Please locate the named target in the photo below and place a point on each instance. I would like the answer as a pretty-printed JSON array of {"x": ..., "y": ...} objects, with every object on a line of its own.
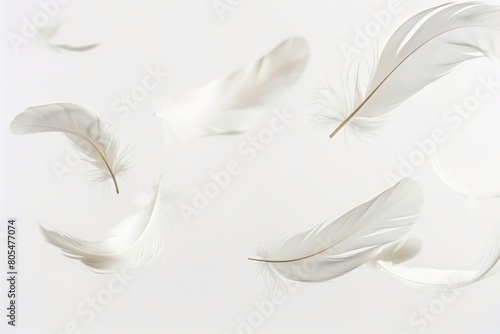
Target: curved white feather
[
  {"x": 462, "y": 166},
  {"x": 444, "y": 280},
  {"x": 134, "y": 243},
  {"x": 423, "y": 49},
  {"x": 235, "y": 103},
  {"x": 93, "y": 139},
  {"x": 336, "y": 247},
  {"x": 49, "y": 31},
  {"x": 471, "y": 178}
]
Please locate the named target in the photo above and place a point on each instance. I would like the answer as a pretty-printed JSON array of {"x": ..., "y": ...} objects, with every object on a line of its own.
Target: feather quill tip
[
  {"x": 274, "y": 283},
  {"x": 333, "y": 114}
]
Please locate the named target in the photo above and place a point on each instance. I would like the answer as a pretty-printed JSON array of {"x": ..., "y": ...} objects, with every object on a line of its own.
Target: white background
[{"x": 206, "y": 284}]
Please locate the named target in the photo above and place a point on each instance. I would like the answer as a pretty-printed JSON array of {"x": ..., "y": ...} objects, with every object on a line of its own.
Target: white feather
[
  {"x": 48, "y": 32},
  {"x": 399, "y": 252},
  {"x": 423, "y": 49},
  {"x": 462, "y": 166},
  {"x": 235, "y": 103},
  {"x": 336, "y": 247},
  {"x": 73, "y": 47},
  {"x": 134, "y": 243},
  {"x": 445, "y": 280},
  {"x": 479, "y": 182},
  {"x": 92, "y": 137}
]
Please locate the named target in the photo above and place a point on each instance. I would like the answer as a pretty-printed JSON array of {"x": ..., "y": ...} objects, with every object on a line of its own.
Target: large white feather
[
  {"x": 134, "y": 243},
  {"x": 93, "y": 139},
  {"x": 423, "y": 49},
  {"x": 444, "y": 280},
  {"x": 336, "y": 247},
  {"x": 235, "y": 103}
]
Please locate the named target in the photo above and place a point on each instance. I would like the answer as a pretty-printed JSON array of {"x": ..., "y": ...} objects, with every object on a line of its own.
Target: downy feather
[
  {"x": 423, "y": 49},
  {"x": 235, "y": 103},
  {"x": 134, "y": 243},
  {"x": 91, "y": 136},
  {"x": 338, "y": 246}
]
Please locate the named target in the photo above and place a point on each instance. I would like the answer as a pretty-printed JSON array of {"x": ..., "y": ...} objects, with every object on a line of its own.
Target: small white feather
[
  {"x": 235, "y": 103},
  {"x": 91, "y": 136},
  {"x": 48, "y": 32},
  {"x": 134, "y": 243},
  {"x": 399, "y": 252},
  {"x": 74, "y": 47},
  {"x": 338, "y": 246}
]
